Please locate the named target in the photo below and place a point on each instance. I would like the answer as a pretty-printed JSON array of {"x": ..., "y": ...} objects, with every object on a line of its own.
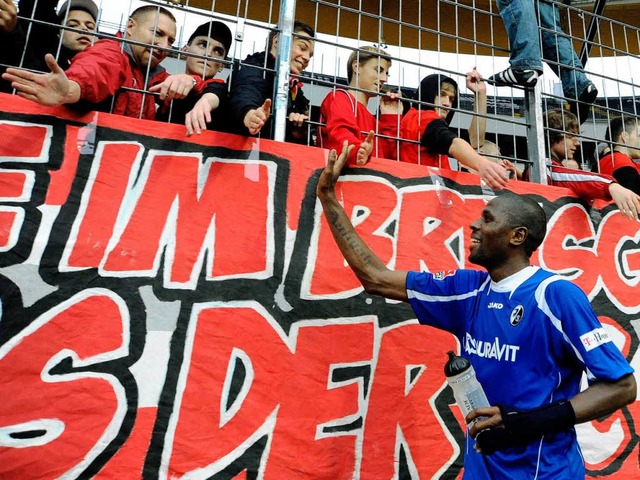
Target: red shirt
[
  {"x": 347, "y": 119},
  {"x": 412, "y": 127},
  {"x": 612, "y": 162}
]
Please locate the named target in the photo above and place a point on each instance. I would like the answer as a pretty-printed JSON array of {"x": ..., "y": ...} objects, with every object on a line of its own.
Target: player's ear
[{"x": 519, "y": 235}]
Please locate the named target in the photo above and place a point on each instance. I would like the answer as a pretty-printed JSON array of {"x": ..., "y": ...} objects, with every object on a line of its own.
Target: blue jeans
[{"x": 557, "y": 49}]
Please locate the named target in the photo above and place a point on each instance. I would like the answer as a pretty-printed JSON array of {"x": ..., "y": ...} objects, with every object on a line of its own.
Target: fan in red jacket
[
  {"x": 562, "y": 127},
  {"x": 621, "y": 163},
  {"x": 113, "y": 75},
  {"x": 346, "y": 117}
]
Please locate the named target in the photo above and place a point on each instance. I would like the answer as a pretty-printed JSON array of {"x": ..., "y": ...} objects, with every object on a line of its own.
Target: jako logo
[{"x": 496, "y": 305}]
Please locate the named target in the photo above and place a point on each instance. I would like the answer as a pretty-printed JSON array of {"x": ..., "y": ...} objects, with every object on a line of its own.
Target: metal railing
[{"x": 437, "y": 36}]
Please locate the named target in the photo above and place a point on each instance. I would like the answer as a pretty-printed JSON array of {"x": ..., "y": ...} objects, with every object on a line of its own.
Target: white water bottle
[{"x": 466, "y": 388}]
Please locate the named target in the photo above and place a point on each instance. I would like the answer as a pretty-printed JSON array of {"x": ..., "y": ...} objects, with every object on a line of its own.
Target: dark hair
[
  {"x": 430, "y": 89},
  {"x": 298, "y": 27},
  {"x": 145, "y": 10},
  {"x": 363, "y": 55},
  {"x": 619, "y": 125},
  {"x": 562, "y": 120},
  {"x": 523, "y": 211}
]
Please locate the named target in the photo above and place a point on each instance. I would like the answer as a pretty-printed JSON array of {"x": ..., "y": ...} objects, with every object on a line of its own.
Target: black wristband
[
  {"x": 522, "y": 427},
  {"x": 526, "y": 426}
]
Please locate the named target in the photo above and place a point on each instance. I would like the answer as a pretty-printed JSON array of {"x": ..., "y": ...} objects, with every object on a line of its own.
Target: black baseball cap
[{"x": 216, "y": 30}]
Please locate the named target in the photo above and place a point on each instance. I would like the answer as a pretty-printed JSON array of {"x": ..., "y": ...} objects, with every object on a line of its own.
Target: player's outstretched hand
[{"x": 331, "y": 173}]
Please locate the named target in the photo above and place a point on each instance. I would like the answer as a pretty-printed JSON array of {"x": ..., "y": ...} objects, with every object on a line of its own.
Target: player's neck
[{"x": 508, "y": 268}]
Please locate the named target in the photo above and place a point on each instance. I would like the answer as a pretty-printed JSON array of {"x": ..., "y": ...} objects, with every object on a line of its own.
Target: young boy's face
[
  {"x": 301, "y": 53},
  {"x": 373, "y": 74},
  {"x": 565, "y": 148},
  {"x": 445, "y": 99},
  {"x": 212, "y": 49},
  {"x": 74, "y": 41}
]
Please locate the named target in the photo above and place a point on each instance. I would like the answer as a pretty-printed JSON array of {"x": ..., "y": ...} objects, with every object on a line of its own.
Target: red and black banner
[{"x": 176, "y": 307}]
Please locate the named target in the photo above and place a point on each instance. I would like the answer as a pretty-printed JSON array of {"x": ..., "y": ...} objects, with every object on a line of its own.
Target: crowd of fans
[{"x": 122, "y": 74}]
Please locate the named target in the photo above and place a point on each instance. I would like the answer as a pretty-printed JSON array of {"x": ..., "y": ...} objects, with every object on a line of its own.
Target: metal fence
[{"x": 421, "y": 37}]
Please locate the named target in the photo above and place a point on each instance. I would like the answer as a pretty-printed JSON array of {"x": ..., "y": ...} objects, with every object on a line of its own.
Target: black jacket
[
  {"x": 35, "y": 39},
  {"x": 251, "y": 85}
]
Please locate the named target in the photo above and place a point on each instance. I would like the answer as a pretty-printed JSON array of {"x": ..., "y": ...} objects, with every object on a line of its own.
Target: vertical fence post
[
  {"x": 281, "y": 95},
  {"x": 535, "y": 134}
]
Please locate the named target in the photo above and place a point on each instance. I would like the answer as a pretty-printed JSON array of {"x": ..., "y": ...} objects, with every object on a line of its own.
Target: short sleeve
[
  {"x": 572, "y": 315},
  {"x": 445, "y": 300}
]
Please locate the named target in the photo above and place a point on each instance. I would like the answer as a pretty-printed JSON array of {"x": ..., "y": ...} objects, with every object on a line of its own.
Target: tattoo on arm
[{"x": 351, "y": 239}]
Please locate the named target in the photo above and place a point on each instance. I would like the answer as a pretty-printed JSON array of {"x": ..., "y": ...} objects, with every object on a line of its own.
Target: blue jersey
[{"x": 529, "y": 338}]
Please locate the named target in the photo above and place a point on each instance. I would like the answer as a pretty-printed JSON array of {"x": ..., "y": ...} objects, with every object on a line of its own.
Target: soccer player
[{"x": 548, "y": 333}]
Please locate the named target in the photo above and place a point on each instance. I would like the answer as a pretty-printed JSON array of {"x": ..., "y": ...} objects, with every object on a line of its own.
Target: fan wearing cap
[
  {"x": 207, "y": 46},
  {"x": 79, "y": 15},
  {"x": 41, "y": 37}
]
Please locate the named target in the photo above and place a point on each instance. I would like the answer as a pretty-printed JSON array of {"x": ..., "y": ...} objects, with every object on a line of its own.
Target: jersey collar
[{"x": 511, "y": 283}]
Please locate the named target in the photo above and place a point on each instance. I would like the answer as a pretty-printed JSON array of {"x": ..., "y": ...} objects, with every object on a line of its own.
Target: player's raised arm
[{"x": 372, "y": 273}]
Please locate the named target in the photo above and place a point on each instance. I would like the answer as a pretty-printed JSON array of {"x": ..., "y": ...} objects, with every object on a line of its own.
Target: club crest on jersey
[
  {"x": 443, "y": 275},
  {"x": 516, "y": 315}
]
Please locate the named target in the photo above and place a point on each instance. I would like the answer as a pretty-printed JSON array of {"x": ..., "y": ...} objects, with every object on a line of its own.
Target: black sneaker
[
  {"x": 514, "y": 76},
  {"x": 581, "y": 108}
]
